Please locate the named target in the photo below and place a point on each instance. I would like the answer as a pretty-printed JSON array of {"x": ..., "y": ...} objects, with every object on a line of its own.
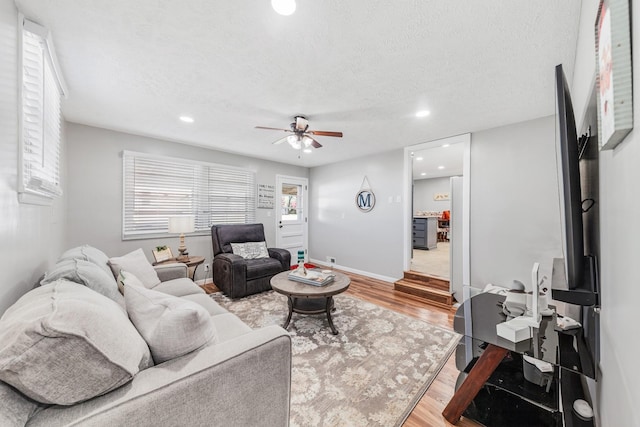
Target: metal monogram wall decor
[{"x": 365, "y": 199}]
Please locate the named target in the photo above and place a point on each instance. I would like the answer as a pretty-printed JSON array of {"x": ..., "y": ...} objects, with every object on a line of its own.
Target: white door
[{"x": 291, "y": 215}]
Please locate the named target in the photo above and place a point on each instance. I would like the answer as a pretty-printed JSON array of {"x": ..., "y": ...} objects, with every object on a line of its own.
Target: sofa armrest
[
  {"x": 282, "y": 255},
  {"x": 171, "y": 271},
  {"x": 245, "y": 381}
]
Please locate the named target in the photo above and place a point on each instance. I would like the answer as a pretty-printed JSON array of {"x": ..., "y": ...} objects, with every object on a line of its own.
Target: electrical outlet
[
  {"x": 206, "y": 267},
  {"x": 331, "y": 259}
]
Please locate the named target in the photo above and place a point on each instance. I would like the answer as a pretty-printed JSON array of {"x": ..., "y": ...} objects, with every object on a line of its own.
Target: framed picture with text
[
  {"x": 613, "y": 72},
  {"x": 162, "y": 253}
]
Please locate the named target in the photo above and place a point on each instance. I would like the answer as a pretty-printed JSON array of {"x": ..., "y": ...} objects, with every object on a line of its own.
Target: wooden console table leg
[{"x": 479, "y": 374}]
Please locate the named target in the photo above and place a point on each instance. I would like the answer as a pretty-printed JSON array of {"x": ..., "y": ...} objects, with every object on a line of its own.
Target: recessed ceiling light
[
  {"x": 423, "y": 113},
  {"x": 308, "y": 150},
  {"x": 186, "y": 119},
  {"x": 419, "y": 158},
  {"x": 440, "y": 167},
  {"x": 445, "y": 145},
  {"x": 423, "y": 173},
  {"x": 284, "y": 7}
]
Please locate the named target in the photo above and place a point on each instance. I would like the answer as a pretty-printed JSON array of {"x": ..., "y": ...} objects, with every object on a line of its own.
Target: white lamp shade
[{"x": 182, "y": 224}]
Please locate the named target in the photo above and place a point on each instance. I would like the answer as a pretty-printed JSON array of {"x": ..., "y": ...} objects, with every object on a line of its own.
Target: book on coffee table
[{"x": 313, "y": 277}]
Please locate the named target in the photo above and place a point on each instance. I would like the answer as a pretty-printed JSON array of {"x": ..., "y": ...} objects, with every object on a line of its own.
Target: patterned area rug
[{"x": 372, "y": 374}]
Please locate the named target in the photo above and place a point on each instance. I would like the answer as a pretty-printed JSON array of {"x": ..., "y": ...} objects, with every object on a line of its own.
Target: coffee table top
[{"x": 281, "y": 284}]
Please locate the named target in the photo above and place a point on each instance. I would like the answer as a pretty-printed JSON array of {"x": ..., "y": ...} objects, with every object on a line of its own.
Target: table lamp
[{"x": 182, "y": 224}]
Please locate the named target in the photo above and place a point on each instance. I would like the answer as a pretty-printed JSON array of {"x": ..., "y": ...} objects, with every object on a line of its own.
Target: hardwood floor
[{"x": 428, "y": 412}]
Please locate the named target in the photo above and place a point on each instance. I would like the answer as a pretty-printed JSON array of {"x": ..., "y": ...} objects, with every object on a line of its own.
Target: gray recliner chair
[{"x": 236, "y": 276}]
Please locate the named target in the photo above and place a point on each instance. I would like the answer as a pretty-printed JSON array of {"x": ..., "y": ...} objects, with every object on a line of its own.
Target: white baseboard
[{"x": 353, "y": 270}]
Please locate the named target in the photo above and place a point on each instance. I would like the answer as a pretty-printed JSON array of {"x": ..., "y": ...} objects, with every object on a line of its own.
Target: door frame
[
  {"x": 304, "y": 181},
  {"x": 408, "y": 203}
]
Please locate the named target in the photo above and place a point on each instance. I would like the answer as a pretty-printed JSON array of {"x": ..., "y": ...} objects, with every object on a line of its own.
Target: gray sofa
[{"x": 241, "y": 379}]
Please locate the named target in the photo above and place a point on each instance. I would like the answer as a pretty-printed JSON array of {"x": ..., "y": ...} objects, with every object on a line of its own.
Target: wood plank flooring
[{"x": 428, "y": 412}]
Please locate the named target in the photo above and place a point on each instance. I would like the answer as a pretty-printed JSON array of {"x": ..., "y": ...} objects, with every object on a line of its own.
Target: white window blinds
[
  {"x": 41, "y": 90},
  {"x": 156, "y": 188}
]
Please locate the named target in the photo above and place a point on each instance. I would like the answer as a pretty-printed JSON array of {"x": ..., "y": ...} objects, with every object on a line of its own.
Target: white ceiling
[
  {"x": 436, "y": 162},
  {"x": 363, "y": 67}
]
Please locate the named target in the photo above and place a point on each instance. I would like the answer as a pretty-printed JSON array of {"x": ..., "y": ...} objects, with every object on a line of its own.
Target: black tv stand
[
  {"x": 492, "y": 388},
  {"x": 586, "y": 294}
]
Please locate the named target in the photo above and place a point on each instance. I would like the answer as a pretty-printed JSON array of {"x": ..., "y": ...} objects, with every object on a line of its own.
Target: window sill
[{"x": 35, "y": 199}]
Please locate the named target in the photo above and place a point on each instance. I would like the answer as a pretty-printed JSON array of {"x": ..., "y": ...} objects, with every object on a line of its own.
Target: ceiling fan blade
[
  {"x": 315, "y": 143},
  {"x": 325, "y": 133},
  {"x": 264, "y": 127},
  {"x": 281, "y": 140}
]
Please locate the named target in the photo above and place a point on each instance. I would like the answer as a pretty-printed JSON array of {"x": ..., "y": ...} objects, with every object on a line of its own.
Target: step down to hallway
[{"x": 433, "y": 290}]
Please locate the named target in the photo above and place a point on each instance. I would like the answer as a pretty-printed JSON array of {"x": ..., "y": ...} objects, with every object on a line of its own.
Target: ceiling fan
[{"x": 302, "y": 137}]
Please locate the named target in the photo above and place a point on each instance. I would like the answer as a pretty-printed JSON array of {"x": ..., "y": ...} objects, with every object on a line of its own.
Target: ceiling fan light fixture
[
  {"x": 284, "y": 7},
  {"x": 307, "y": 141},
  {"x": 308, "y": 150},
  {"x": 294, "y": 141}
]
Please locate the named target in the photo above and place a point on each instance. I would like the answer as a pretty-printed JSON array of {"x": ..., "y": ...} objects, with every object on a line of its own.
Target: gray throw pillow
[
  {"x": 15, "y": 407},
  {"x": 250, "y": 250},
  {"x": 171, "y": 326},
  {"x": 137, "y": 264},
  {"x": 85, "y": 273},
  {"x": 88, "y": 253},
  {"x": 63, "y": 343}
]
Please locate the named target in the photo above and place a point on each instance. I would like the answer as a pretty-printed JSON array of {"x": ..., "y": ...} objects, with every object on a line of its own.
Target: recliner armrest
[
  {"x": 229, "y": 274},
  {"x": 232, "y": 258},
  {"x": 171, "y": 271},
  {"x": 282, "y": 255}
]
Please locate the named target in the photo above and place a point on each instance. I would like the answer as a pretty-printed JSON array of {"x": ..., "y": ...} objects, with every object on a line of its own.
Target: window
[
  {"x": 41, "y": 89},
  {"x": 157, "y": 187}
]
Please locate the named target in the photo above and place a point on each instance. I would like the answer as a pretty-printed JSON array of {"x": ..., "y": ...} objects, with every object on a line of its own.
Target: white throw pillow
[
  {"x": 137, "y": 264},
  {"x": 171, "y": 326},
  {"x": 63, "y": 343},
  {"x": 127, "y": 279},
  {"x": 250, "y": 250}
]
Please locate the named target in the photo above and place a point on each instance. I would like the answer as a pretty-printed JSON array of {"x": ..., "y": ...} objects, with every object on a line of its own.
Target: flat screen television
[{"x": 580, "y": 268}]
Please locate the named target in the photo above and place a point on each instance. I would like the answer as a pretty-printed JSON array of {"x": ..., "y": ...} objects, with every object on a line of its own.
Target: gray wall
[
  {"x": 369, "y": 242},
  {"x": 32, "y": 236},
  {"x": 95, "y": 188},
  {"x": 423, "y": 191},
  {"x": 618, "y": 392},
  {"x": 514, "y": 202}
]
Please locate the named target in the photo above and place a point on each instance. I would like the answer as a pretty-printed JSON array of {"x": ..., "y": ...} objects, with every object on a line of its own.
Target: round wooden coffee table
[{"x": 310, "y": 299}]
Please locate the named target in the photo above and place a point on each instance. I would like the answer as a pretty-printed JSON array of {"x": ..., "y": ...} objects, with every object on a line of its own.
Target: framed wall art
[
  {"x": 162, "y": 253},
  {"x": 613, "y": 72}
]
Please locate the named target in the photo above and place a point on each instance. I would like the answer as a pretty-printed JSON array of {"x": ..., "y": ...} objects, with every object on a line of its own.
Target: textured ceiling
[
  {"x": 437, "y": 162},
  {"x": 363, "y": 67}
]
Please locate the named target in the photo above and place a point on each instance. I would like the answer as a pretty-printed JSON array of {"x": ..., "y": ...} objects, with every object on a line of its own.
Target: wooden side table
[{"x": 192, "y": 264}]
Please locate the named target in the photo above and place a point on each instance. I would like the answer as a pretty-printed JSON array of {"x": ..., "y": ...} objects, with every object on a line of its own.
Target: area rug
[{"x": 372, "y": 373}]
